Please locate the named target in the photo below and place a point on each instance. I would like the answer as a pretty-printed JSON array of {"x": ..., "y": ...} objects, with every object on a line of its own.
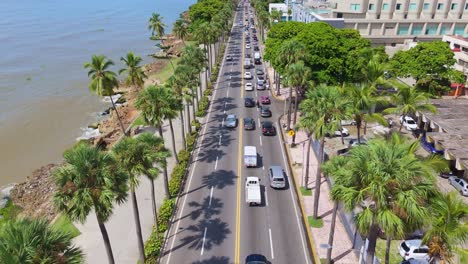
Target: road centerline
[
  {"x": 216, "y": 163},
  {"x": 271, "y": 244},
  {"x": 211, "y": 196},
  {"x": 203, "y": 243}
]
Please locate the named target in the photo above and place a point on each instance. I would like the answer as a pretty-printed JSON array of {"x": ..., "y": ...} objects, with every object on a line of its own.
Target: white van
[{"x": 250, "y": 156}]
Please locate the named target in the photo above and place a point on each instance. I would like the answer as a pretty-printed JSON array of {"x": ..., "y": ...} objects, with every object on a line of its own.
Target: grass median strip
[
  {"x": 315, "y": 223},
  {"x": 306, "y": 192}
]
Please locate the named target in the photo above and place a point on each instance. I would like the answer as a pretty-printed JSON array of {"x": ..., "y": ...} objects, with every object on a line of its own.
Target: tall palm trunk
[
  {"x": 206, "y": 78},
  {"x": 401, "y": 123},
  {"x": 174, "y": 150},
  {"x": 295, "y": 107},
  {"x": 208, "y": 54},
  {"x": 332, "y": 233},
  {"x": 182, "y": 126},
  {"x": 187, "y": 107},
  {"x": 200, "y": 88},
  {"x": 318, "y": 178},
  {"x": 387, "y": 250},
  {"x": 372, "y": 238},
  {"x": 105, "y": 237},
  {"x": 118, "y": 116},
  {"x": 289, "y": 108},
  {"x": 196, "y": 99},
  {"x": 136, "y": 215},
  {"x": 193, "y": 108},
  {"x": 166, "y": 176},
  {"x": 358, "y": 126},
  {"x": 307, "y": 162},
  {"x": 153, "y": 204}
]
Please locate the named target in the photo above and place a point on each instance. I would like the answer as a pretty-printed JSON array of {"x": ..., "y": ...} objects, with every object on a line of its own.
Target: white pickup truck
[
  {"x": 250, "y": 156},
  {"x": 252, "y": 191}
]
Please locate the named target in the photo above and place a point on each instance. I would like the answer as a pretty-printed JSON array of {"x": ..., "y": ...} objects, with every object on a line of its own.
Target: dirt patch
[{"x": 34, "y": 196}]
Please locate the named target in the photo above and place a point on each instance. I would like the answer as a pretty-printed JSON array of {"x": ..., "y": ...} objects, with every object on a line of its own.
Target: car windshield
[
  {"x": 230, "y": 118},
  {"x": 267, "y": 125},
  {"x": 278, "y": 179},
  {"x": 410, "y": 121}
]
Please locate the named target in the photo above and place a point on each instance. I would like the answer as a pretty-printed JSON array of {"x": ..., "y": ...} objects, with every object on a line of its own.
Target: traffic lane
[
  {"x": 254, "y": 219},
  {"x": 289, "y": 235}
]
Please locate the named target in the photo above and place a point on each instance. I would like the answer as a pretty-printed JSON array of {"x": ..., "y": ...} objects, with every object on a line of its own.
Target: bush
[
  {"x": 165, "y": 213},
  {"x": 153, "y": 246},
  {"x": 190, "y": 139},
  {"x": 196, "y": 124},
  {"x": 177, "y": 176},
  {"x": 207, "y": 92},
  {"x": 183, "y": 155}
]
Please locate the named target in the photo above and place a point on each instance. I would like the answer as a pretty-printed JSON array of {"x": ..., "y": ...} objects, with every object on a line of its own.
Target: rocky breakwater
[{"x": 34, "y": 196}]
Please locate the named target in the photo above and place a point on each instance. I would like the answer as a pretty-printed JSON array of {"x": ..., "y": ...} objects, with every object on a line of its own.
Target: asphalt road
[{"x": 213, "y": 224}]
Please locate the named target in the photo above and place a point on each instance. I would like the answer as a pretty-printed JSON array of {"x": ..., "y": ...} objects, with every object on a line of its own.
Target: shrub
[
  {"x": 207, "y": 92},
  {"x": 190, "y": 139},
  {"x": 196, "y": 124},
  {"x": 177, "y": 176},
  {"x": 183, "y": 155},
  {"x": 153, "y": 246},
  {"x": 165, "y": 213}
]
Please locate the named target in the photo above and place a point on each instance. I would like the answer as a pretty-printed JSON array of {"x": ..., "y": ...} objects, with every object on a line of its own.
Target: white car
[
  {"x": 344, "y": 132},
  {"x": 247, "y": 46},
  {"x": 460, "y": 184},
  {"x": 413, "y": 249},
  {"x": 409, "y": 123},
  {"x": 249, "y": 87},
  {"x": 247, "y": 75}
]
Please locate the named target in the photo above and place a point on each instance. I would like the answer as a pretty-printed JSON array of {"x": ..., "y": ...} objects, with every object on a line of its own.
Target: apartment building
[
  {"x": 459, "y": 46},
  {"x": 391, "y": 21}
]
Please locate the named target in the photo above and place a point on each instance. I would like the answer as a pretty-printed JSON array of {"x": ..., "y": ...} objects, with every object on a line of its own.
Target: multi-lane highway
[{"x": 213, "y": 224}]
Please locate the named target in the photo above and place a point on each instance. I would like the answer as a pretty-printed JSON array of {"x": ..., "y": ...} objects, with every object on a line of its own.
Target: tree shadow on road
[
  {"x": 206, "y": 208},
  {"x": 214, "y": 260}
]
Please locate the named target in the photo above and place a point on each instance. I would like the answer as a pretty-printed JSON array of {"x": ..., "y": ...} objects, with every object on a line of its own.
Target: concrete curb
[{"x": 310, "y": 239}]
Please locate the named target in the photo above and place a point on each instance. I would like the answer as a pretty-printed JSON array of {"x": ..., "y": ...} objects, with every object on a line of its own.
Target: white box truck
[
  {"x": 250, "y": 156},
  {"x": 247, "y": 63},
  {"x": 253, "y": 194}
]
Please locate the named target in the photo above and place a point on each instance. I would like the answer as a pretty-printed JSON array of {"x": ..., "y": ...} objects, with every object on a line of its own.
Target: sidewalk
[
  {"x": 342, "y": 246},
  {"x": 121, "y": 226}
]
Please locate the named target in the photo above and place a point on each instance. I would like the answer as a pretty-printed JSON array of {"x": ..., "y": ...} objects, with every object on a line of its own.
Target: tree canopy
[
  {"x": 331, "y": 53},
  {"x": 205, "y": 9}
]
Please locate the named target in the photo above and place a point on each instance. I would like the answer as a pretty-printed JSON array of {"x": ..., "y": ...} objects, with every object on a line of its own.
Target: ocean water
[{"x": 44, "y": 95}]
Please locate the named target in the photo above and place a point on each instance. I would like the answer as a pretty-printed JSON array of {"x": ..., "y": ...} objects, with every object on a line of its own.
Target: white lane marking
[
  {"x": 263, "y": 167},
  {"x": 227, "y": 94},
  {"x": 211, "y": 196},
  {"x": 259, "y": 124},
  {"x": 216, "y": 163},
  {"x": 196, "y": 158},
  {"x": 266, "y": 198},
  {"x": 222, "y": 122},
  {"x": 219, "y": 143},
  {"x": 225, "y": 103},
  {"x": 203, "y": 244},
  {"x": 285, "y": 163},
  {"x": 256, "y": 94},
  {"x": 260, "y": 140},
  {"x": 271, "y": 244}
]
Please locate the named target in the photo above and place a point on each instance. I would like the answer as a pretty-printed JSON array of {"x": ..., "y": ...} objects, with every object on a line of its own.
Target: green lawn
[
  {"x": 66, "y": 225},
  {"x": 167, "y": 71},
  {"x": 395, "y": 257},
  {"x": 139, "y": 121},
  {"x": 315, "y": 223},
  {"x": 8, "y": 212},
  {"x": 306, "y": 192}
]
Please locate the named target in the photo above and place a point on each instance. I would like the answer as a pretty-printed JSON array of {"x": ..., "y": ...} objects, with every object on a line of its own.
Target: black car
[
  {"x": 265, "y": 111},
  {"x": 254, "y": 30},
  {"x": 268, "y": 129},
  {"x": 249, "y": 102},
  {"x": 249, "y": 123},
  {"x": 259, "y": 72},
  {"x": 228, "y": 58},
  {"x": 256, "y": 48}
]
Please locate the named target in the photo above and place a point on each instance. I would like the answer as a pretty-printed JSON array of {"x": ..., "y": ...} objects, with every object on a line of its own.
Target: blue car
[{"x": 430, "y": 146}]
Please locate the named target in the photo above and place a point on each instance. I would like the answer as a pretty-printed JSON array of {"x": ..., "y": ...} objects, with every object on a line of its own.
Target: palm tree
[
  {"x": 363, "y": 98},
  {"x": 184, "y": 79},
  {"x": 136, "y": 156},
  {"x": 180, "y": 29},
  {"x": 297, "y": 75},
  {"x": 135, "y": 74},
  {"x": 103, "y": 81},
  {"x": 194, "y": 56},
  {"x": 155, "y": 107},
  {"x": 276, "y": 15},
  {"x": 90, "y": 180},
  {"x": 408, "y": 100},
  {"x": 390, "y": 184},
  {"x": 263, "y": 19},
  {"x": 32, "y": 241},
  {"x": 202, "y": 35},
  {"x": 156, "y": 25},
  {"x": 321, "y": 113},
  {"x": 179, "y": 90},
  {"x": 175, "y": 104},
  {"x": 447, "y": 231}
]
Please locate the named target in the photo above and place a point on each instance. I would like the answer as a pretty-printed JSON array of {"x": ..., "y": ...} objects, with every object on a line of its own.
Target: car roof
[
  {"x": 414, "y": 243},
  {"x": 265, "y": 107},
  {"x": 248, "y": 119},
  {"x": 267, "y": 123},
  {"x": 248, "y": 98},
  {"x": 231, "y": 115},
  {"x": 264, "y": 96}
]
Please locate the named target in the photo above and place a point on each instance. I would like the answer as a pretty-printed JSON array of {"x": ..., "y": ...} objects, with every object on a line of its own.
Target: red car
[{"x": 264, "y": 99}]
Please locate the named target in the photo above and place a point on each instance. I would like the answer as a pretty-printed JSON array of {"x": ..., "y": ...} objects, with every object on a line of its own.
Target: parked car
[
  {"x": 249, "y": 123},
  {"x": 355, "y": 143},
  {"x": 446, "y": 174},
  {"x": 247, "y": 46},
  {"x": 231, "y": 121},
  {"x": 265, "y": 99},
  {"x": 337, "y": 133},
  {"x": 413, "y": 249},
  {"x": 228, "y": 58},
  {"x": 249, "y": 102},
  {"x": 247, "y": 75},
  {"x": 249, "y": 87},
  {"x": 256, "y": 48},
  {"x": 265, "y": 111},
  {"x": 408, "y": 123},
  {"x": 268, "y": 129},
  {"x": 259, "y": 72},
  {"x": 459, "y": 184},
  {"x": 429, "y": 146}
]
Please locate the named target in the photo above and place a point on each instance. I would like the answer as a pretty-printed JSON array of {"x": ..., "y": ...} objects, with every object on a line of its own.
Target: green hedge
[
  {"x": 155, "y": 241},
  {"x": 207, "y": 92},
  {"x": 203, "y": 106}
]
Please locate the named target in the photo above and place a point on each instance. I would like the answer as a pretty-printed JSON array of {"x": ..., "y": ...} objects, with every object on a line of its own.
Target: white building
[
  {"x": 392, "y": 21},
  {"x": 280, "y": 7},
  {"x": 459, "y": 46}
]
